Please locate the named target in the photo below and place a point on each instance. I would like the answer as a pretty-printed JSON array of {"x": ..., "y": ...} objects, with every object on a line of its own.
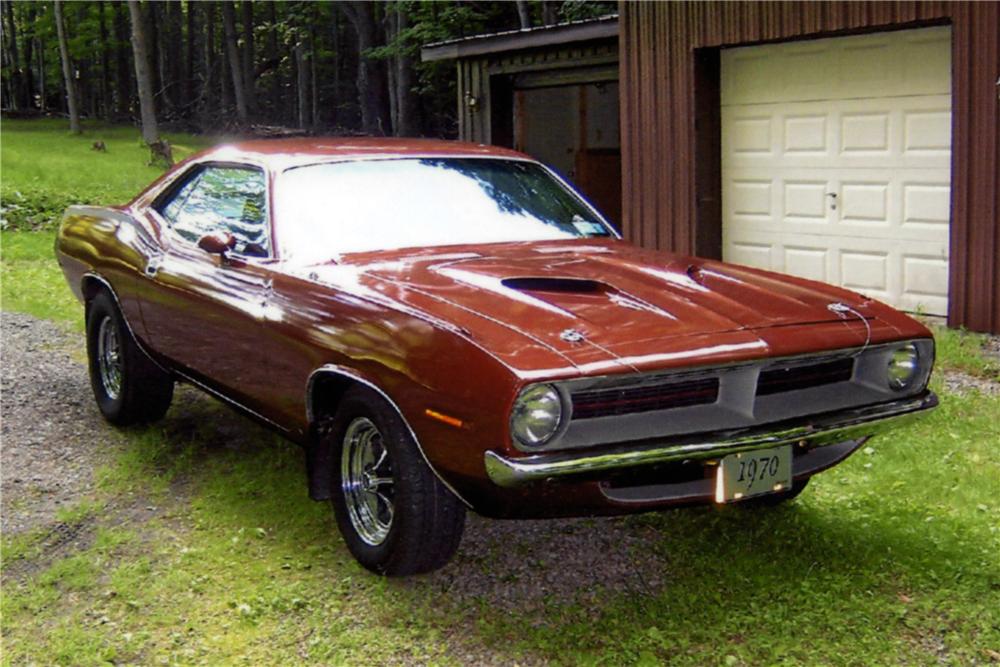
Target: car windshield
[{"x": 327, "y": 210}]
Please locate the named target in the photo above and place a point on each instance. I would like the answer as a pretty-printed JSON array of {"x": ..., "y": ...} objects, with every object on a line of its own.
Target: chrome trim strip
[
  {"x": 827, "y": 429},
  {"x": 225, "y": 399},
  {"x": 348, "y": 373}
]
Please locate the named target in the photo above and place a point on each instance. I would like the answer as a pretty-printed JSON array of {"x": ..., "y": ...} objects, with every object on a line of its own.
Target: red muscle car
[{"x": 447, "y": 326}]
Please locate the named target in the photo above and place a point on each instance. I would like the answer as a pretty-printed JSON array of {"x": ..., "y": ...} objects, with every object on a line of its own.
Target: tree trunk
[
  {"x": 40, "y": 49},
  {"x": 391, "y": 70},
  {"x": 159, "y": 32},
  {"x": 191, "y": 44},
  {"x": 150, "y": 132},
  {"x": 372, "y": 88},
  {"x": 29, "y": 75},
  {"x": 302, "y": 83},
  {"x": 175, "y": 60},
  {"x": 249, "y": 78},
  {"x": 550, "y": 14},
  {"x": 150, "y": 12},
  {"x": 67, "y": 68},
  {"x": 313, "y": 87},
  {"x": 123, "y": 77},
  {"x": 523, "y": 14},
  {"x": 232, "y": 51},
  {"x": 337, "y": 65},
  {"x": 407, "y": 106},
  {"x": 6, "y": 89},
  {"x": 105, "y": 68},
  {"x": 208, "y": 61},
  {"x": 17, "y": 83}
]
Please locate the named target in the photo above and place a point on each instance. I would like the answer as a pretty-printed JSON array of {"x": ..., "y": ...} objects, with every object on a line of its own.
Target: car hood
[{"x": 591, "y": 301}]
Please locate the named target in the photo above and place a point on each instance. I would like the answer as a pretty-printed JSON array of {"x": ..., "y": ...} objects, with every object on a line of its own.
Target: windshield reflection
[{"x": 327, "y": 210}]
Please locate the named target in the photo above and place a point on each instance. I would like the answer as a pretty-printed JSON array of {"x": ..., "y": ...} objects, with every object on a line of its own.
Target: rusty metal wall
[{"x": 661, "y": 44}]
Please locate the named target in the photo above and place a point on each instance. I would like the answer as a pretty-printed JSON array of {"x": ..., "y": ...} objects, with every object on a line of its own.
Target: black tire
[
  {"x": 775, "y": 499},
  {"x": 418, "y": 522},
  {"x": 143, "y": 391}
]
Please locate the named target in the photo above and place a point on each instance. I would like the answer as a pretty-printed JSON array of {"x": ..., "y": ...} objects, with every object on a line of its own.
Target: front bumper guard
[{"x": 814, "y": 431}]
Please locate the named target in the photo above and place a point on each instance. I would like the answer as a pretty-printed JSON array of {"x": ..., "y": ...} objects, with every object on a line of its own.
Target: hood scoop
[
  {"x": 555, "y": 284},
  {"x": 590, "y": 300}
]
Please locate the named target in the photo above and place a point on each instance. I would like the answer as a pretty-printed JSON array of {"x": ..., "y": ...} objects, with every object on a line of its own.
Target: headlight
[
  {"x": 904, "y": 367},
  {"x": 537, "y": 415}
]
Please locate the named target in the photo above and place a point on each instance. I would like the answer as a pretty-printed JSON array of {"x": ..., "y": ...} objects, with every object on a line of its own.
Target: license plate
[{"x": 755, "y": 473}]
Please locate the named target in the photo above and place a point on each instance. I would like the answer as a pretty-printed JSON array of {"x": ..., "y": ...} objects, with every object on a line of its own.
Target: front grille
[
  {"x": 777, "y": 380},
  {"x": 630, "y": 400}
]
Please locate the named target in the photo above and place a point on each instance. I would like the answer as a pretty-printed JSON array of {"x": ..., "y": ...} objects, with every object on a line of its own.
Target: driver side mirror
[{"x": 217, "y": 243}]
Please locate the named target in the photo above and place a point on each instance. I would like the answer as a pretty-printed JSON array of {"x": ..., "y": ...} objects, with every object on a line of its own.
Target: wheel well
[
  {"x": 325, "y": 393},
  {"x": 91, "y": 287},
  {"x": 326, "y": 390}
]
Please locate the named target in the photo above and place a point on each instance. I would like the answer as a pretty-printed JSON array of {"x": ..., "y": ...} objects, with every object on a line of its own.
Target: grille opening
[
  {"x": 631, "y": 400},
  {"x": 778, "y": 380}
]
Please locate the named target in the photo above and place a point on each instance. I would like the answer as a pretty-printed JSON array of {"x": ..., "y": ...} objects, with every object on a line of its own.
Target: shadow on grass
[{"x": 851, "y": 567}]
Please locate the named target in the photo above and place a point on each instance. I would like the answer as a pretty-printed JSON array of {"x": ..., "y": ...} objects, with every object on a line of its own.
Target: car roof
[{"x": 285, "y": 153}]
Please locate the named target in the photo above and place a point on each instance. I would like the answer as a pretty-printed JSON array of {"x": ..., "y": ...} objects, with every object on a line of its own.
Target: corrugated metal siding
[{"x": 658, "y": 42}]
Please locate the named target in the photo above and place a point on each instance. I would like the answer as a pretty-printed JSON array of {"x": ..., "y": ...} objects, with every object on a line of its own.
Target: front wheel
[
  {"x": 396, "y": 517},
  {"x": 128, "y": 386}
]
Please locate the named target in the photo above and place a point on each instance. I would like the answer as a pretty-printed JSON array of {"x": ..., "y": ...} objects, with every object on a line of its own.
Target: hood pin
[{"x": 572, "y": 336}]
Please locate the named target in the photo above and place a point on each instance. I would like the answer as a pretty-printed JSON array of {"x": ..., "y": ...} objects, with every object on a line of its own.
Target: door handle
[{"x": 833, "y": 200}]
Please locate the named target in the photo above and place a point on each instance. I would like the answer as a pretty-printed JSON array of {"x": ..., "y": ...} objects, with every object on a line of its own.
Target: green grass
[
  {"x": 962, "y": 350},
  {"x": 30, "y": 279},
  {"x": 891, "y": 558},
  {"x": 45, "y": 169}
]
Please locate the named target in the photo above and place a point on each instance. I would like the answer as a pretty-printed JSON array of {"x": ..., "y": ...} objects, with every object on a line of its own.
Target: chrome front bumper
[{"x": 815, "y": 431}]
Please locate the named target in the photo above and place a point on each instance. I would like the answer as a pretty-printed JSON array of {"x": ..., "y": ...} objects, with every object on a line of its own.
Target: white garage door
[{"x": 836, "y": 162}]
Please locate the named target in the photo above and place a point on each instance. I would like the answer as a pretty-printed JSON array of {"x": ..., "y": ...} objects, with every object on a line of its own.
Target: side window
[{"x": 230, "y": 199}]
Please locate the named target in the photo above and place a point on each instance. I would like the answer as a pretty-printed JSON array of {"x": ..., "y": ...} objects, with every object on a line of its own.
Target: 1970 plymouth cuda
[{"x": 447, "y": 326}]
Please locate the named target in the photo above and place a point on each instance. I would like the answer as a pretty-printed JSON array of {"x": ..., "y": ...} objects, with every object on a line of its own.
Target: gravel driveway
[{"x": 53, "y": 438}]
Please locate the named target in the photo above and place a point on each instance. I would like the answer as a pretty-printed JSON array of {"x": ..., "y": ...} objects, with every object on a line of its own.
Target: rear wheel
[
  {"x": 396, "y": 517},
  {"x": 128, "y": 386}
]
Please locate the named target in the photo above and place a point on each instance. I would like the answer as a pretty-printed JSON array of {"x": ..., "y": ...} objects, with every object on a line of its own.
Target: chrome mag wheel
[
  {"x": 366, "y": 481},
  {"x": 109, "y": 358}
]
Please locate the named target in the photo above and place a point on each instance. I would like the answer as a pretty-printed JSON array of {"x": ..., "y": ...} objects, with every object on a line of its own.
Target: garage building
[{"x": 855, "y": 143}]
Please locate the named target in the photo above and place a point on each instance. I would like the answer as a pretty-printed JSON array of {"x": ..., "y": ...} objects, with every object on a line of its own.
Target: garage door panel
[
  {"x": 865, "y": 132},
  {"x": 805, "y": 134},
  {"x": 926, "y": 206},
  {"x": 865, "y": 203},
  {"x": 868, "y": 67},
  {"x": 811, "y": 263},
  {"x": 906, "y": 132},
  {"x": 752, "y": 136},
  {"x": 751, "y": 254},
  {"x": 804, "y": 201},
  {"x": 927, "y": 132},
  {"x": 910, "y": 275},
  {"x": 751, "y": 198},
  {"x": 836, "y": 162}
]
